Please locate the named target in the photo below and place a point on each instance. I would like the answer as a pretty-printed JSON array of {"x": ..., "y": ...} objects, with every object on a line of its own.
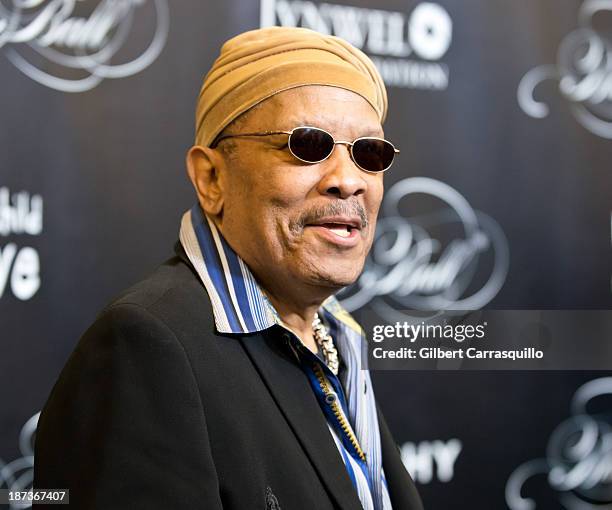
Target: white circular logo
[{"x": 430, "y": 31}]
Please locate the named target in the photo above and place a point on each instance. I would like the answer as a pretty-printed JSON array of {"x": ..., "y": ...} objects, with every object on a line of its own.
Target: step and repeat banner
[{"x": 501, "y": 199}]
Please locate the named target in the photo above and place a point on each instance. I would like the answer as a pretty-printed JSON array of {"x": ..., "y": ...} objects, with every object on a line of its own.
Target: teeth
[{"x": 342, "y": 232}]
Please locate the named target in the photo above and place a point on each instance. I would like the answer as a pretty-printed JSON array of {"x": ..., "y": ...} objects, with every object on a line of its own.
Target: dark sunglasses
[{"x": 313, "y": 145}]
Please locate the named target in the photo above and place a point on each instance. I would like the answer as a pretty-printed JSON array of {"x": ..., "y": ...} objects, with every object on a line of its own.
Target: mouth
[
  {"x": 340, "y": 231},
  {"x": 338, "y": 228}
]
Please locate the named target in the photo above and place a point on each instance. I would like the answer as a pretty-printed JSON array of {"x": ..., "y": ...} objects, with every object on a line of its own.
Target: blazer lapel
[{"x": 292, "y": 392}]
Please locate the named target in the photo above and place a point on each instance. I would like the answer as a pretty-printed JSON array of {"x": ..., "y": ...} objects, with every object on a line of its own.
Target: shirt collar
[{"x": 239, "y": 305}]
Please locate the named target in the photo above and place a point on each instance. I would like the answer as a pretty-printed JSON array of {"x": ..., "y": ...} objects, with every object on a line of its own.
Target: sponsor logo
[
  {"x": 71, "y": 45},
  {"x": 578, "y": 463},
  {"x": 583, "y": 71},
  {"x": 20, "y": 267},
  {"x": 405, "y": 47},
  {"x": 429, "y": 461},
  {"x": 434, "y": 258},
  {"x": 18, "y": 475}
]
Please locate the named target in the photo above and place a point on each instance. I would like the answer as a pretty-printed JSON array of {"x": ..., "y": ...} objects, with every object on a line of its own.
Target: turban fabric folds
[{"x": 255, "y": 65}]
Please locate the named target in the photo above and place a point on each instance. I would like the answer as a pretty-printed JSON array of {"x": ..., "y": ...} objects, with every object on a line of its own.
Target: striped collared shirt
[{"x": 240, "y": 306}]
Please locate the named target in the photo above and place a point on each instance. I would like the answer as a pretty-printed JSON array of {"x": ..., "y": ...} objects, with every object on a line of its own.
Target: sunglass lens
[
  {"x": 310, "y": 144},
  {"x": 373, "y": 154}
]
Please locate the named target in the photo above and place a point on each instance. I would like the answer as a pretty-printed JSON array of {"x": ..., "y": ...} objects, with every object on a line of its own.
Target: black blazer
[{"x": 156, "y": 410}]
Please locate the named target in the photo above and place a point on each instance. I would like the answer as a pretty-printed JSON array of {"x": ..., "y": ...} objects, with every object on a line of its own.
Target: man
[{"x": 231, "y": 378}]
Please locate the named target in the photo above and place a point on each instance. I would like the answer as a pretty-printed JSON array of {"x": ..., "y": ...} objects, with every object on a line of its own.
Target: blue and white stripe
[{"x": 239, "y": 306}]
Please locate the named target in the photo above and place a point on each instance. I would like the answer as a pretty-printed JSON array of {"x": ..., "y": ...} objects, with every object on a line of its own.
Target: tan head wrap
[{"x": 258, "y": 64}]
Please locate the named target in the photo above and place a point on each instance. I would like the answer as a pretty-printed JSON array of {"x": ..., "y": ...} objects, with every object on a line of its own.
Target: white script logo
[
  {"x": 584, "y": 72},
  {"x": 578, "y": 461},
  {"x": 389, "y": 37},
  {"x": 34, "y": 33},
  {"x": 18, "y": 475},
  {"x": 401, "y": 265}
]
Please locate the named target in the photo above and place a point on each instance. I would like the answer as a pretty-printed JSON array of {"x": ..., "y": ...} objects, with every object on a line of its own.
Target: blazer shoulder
[
  {"x": 173, "y": 274},
  {"x": 172, "y": 295}
]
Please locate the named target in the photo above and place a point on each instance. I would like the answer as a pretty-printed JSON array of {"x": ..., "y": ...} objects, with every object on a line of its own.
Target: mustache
[{"x": 337, "y": 208}]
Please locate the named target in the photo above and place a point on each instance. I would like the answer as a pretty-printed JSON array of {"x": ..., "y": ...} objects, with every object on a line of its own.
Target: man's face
[{"x": 287, "y": 219}]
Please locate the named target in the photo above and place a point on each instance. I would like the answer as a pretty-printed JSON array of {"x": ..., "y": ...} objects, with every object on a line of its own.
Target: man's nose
[{"x": 342, "y": 178}]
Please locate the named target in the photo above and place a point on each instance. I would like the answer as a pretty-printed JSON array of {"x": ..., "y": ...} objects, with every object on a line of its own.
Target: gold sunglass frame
[{"x": 336, "y": 142}]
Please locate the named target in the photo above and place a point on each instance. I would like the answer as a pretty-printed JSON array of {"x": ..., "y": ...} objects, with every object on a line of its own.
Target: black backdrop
[{"x": 505, "y": 110}]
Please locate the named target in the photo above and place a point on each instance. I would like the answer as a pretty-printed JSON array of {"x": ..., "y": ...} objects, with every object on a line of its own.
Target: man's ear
[{"x": 204, "y": 167}]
